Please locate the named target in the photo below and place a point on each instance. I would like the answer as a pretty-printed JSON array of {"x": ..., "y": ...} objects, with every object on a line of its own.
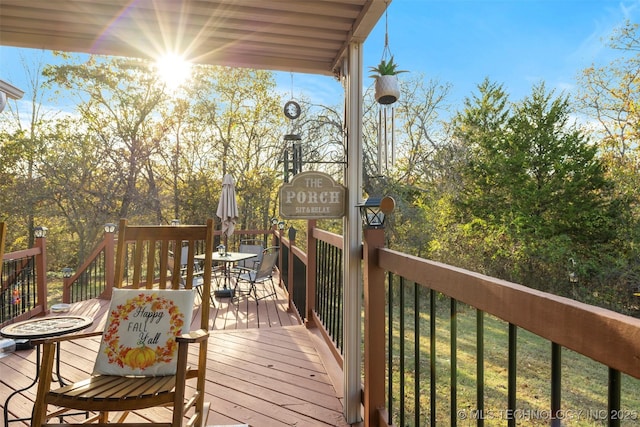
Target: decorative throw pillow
[{"x": 139, "y": 337}]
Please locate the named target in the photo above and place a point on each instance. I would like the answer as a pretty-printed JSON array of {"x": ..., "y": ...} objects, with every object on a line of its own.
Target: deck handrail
[
  {"x": 92, "y": 277},
  {"x": 588, "y": 330},
  {"x": 22, "y": 281},
  {"x": 313, "y": 297},
  {"x": 609, "y": 338},
  {"x": 555, "y": 318},
  {"x": 96, "y": 272}
]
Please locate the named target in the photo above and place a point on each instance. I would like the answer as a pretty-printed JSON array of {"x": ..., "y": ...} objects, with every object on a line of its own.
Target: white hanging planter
[{"x": 387, "y": 89}]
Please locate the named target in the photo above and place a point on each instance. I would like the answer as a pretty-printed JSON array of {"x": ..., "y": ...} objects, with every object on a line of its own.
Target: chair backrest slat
[
  {"x": 164, "y": 263},
  {"x": 3, "y": 232},
  {"x": 154, "y": 254}
]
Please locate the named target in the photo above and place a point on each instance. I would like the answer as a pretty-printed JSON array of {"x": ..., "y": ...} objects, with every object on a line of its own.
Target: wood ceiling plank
[{"x": 312, "y": 33}]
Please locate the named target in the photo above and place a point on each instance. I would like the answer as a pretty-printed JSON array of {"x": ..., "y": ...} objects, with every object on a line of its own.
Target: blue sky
[{"x": 518, "y": 43}]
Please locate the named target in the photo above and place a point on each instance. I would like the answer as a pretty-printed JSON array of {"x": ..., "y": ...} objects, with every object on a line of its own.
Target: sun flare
[{"x": 173, "y": 70}]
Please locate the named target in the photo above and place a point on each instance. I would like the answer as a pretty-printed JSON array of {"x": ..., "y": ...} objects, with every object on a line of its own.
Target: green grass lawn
[{"x": 584, "y": 381}]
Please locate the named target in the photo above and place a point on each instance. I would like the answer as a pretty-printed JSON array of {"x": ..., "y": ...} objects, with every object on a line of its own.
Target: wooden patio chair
[
  {"x": 3, "y": 233},
  {"x": 143, "y": 252}
]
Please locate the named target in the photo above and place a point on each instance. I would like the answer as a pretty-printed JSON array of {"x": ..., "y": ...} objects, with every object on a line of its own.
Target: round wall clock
[{"x": 292, "y": 110}]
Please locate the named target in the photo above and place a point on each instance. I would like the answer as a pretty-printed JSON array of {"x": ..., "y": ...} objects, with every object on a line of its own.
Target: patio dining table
[{"x": 227, "y": 259}]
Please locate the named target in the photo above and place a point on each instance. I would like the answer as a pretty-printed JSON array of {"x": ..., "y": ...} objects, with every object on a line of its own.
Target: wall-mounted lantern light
[
  {"x": 573, "y": 276},
  {"x": 67, "y": 272},
  {"x": 374, "y": 210},
  {"x": 222, "y": 250},
  {"x": 40, "y": 232}
]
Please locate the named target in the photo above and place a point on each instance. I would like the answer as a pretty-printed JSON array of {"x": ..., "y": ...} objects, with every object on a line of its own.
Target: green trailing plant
[{"x": 385, "y": 68}]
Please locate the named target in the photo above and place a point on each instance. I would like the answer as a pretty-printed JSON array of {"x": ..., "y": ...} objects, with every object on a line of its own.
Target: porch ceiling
[{"x": 308, "y": 36}]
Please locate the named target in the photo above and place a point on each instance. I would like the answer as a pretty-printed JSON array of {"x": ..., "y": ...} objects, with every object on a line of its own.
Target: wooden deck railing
[
  {"x": 609, "y": 338},
  {"x": 94, "y": 278},
  {"x": 22, "y": 281},
  {"x": 401, "y": 292},
  {"x": 314, "y": 282}
]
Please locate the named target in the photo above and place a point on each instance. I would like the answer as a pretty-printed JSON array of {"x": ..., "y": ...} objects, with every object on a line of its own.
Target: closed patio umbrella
[
  {"x": 228, "y": 214},
  {"x": 228, "y": 207}
]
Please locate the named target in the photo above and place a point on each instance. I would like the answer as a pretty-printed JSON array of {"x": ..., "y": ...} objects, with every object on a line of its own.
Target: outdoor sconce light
[
  {"x": 221, "y": 250},
  {"x": 109, "y": 227},
  {"x": 40, "y": 232},
  {"x": 573, "y": 277},
  {"x": 281, "y": 225},
  {"x": 175, "y": 222},
  {"x": 67, "y": 272},
  {"x": 374, "y": 210}
]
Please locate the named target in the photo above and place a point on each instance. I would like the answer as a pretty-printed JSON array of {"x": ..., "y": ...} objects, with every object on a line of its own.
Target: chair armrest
[
  {"x": 193, "y": 336},
  {"x": 195, "y": 274},
  {"x": 241, "y": 269},
  {"x": 68, "y": 337}
]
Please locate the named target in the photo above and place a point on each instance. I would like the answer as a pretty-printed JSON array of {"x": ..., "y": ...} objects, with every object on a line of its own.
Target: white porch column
[{"x": 353, "y": 235}]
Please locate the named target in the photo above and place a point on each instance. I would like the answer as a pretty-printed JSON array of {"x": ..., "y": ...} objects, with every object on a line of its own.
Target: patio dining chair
[
  {"x": 142, "y": 361},
  {"x": 260, "y": 275},
  {"x": 253, "y": 246},
  {"x": 195, "y": 274}
]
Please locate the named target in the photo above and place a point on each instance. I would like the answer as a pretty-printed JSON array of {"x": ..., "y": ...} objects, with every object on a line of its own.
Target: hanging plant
[
  {"x": 386, "y": 68},
  {"x": 387, "y": 88}
]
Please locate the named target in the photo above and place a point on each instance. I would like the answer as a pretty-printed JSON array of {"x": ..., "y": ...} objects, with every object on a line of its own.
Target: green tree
[
  {"x": 79, "y": 183},
  {"x": 21, "y": 149},
  {"x": 609, "y": 96},
  {"x": 407, "y": 168},
  {"x": 118, "y": 100},
  {"x": 238, "y": 126},
  {"x": 533, "y": 191}
]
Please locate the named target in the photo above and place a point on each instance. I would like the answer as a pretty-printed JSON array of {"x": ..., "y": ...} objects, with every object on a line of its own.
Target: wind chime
[
  {"x": 387, "y": 92},
  {"x": 292, "y": 163},
  {"x": 386, "y": 139}
]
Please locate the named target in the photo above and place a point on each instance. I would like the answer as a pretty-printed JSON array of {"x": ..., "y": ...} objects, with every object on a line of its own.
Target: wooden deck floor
[{"x": 264, "y": 368}]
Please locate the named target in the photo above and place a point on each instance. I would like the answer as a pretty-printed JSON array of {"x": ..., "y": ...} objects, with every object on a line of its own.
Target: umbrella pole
[{"x": 225, "y": 292}]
